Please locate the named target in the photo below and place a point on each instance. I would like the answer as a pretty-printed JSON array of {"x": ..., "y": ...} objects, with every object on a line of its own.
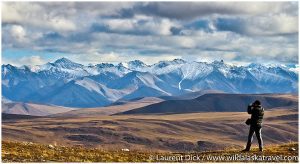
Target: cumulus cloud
[
  {"x": 261, "y": 25},
  {"x": 35, "y": 15},
  {"x": 112, "y": 57},
  {"x": 26, "y": 60},
  {"x": 152, "y": 31},
  {"x": 15, "y": 36},
  {"x": 34, "y": 60},
  {"x": 139, "y": 25},
  {"x": 18, "y": 33},
  {"x": 192, "y": 10}
]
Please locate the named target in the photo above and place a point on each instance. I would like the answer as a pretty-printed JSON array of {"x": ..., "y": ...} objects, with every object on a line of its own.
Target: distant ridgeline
[{"x": 66, "y": 83}]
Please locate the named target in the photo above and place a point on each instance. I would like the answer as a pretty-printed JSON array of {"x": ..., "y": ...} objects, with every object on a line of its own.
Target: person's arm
[
  {"x": 249, "y": 110},
  {"x": 262, "y": 112}
]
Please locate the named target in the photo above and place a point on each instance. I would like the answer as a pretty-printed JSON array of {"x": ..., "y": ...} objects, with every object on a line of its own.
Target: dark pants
[{"x": 257, "y": 130}]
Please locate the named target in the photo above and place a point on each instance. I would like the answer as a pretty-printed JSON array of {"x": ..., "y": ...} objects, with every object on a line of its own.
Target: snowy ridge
[{"x": 71, "y": 84}]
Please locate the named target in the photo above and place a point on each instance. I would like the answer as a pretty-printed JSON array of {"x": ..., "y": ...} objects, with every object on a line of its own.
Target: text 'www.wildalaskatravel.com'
[{"x": 224, "y": 158}]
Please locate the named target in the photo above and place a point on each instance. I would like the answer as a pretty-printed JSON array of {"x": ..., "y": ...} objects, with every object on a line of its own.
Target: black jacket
[{"x": 257, "y": 115}]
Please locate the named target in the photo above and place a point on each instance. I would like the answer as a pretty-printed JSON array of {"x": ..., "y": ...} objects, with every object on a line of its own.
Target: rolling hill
[
  {"x": 173, "y": 133},
  {"x": 217, "y": 102},
  {"x": 109, "y": 110},
  {"x": 32, "y": 109}
]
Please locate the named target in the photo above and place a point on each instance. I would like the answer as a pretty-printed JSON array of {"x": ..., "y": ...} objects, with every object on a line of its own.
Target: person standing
[{"x": 255, "y": 122}]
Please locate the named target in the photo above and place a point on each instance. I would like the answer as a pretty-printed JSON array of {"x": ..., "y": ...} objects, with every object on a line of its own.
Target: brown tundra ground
[{"x": 162, "y": 133}]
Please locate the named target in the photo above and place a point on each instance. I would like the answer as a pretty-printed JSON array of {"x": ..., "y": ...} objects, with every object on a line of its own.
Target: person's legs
[
  {"x": 259, "y": 138},
  {"x": 250, "y": 138}
]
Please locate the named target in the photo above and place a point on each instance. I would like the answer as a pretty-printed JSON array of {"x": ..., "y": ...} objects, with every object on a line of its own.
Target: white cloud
[
  {"x": 61, "y": 24},
  {"x": 18, "y": 33},
  {"x": 193, "y": 10},
  {"x": 159, "y": 26},
  {"x": 272, "y": 25},
  {"x": 112, "y": 57},
  {"x": 120, "y": 24},
  {"x": 269, "y": 30},
  {"x": 26, "y": 60},
  {"x": 13, "y": 15},
  {"x": 141, "y": 25},
  {"x": 229, "y": 56},
  {"x": 218, "y": 44},
  {"x": 35, "y": 15},
  {"x": 33, "y": 60}
]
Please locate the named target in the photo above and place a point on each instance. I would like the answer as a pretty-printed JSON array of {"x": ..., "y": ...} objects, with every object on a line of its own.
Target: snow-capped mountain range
[{"x": 71, "y": 84}]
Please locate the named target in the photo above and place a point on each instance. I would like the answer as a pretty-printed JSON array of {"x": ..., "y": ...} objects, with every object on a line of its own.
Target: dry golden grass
[
  {"x": 31, "y": 152},
  {"x": 179, "y": 132}
]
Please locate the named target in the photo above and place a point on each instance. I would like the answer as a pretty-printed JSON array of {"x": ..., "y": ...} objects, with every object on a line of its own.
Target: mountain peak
[
  {"x": 136, "y": 63},
  {"x": 66, "y": 63},
  {"x": 119, "y": 82},
  {"x": 7, "y": 65},
  {"x": 218, "y": 62},
  {"x": 63, "y": 60},
  {"x": 256, "y": 65},
  {"x": 179, "y": 61},
  {"x": 121, "y": 65},
  {"x": 166, "y": 63},
  {"x": 105, "y": 65}
]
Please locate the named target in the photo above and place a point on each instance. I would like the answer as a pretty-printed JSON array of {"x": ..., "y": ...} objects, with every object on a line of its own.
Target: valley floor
[
  {"x": 30, "y": 152},
  {"x": 207, "y": 131}
]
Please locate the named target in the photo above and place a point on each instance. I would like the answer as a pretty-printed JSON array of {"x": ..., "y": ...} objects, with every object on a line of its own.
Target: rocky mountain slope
[{"x": 66, "y": 83}]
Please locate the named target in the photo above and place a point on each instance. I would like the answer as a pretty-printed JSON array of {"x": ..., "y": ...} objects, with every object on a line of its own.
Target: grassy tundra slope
[
  {"x": 176, "y": 132},
  {"x": 29, "y": 152},
  {"x": 216, "y": 102},
  {"x": 32, "y": 109},
  {"x": 109, "y": 110},
  {"x": 97, "y": 135}
]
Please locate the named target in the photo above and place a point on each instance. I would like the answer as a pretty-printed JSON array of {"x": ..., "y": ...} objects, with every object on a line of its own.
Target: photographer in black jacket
[{"x": 255, "y": 122}]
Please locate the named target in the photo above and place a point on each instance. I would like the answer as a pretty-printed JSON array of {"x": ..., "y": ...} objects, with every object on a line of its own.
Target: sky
[{"x": 34, "y": 33}]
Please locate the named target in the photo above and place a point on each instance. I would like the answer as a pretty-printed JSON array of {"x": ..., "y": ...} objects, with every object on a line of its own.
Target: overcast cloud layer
[{"x": 94, "y": 32}]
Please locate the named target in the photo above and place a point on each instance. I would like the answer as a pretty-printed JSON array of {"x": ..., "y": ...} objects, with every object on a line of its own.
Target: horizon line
[{"x": 176, "y": 59}]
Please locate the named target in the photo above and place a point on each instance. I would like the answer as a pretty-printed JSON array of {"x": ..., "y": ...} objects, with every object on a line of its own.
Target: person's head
[{"x": 257, "y": 103}]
